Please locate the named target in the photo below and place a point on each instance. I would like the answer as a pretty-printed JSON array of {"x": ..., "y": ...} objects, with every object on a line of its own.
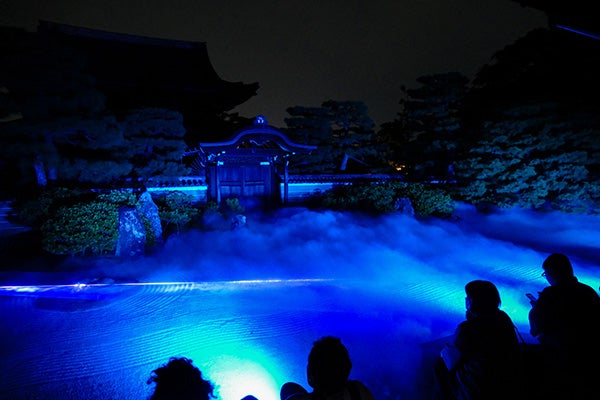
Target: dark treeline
[{"x": 522, "y": 132}]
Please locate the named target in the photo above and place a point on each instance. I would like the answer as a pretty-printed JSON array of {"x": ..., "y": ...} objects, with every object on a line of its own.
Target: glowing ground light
[
  {"x": 169, "y": 286},
  {"x": 254, "y": 374}
]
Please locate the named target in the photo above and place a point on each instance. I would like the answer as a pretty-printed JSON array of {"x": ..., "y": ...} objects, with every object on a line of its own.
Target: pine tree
[{"x": 342, "y": 130}]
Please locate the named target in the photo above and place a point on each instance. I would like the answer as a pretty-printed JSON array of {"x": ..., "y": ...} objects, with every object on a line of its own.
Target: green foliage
[
  {"x": 151, "y": 239},
  {"x": 216, "y": 216},
  {"x": 534, "y": 122},
  {"x": 340, "y": 130},
  {"x": 234, "y": 206},
  {"x": 119, "y": 197},
  {"x": 53, "y": 90},
  {"x": 93, "y": 150},
  {"x": 365, "y": 198},
  {"x": 82, "y": 229},
  {"x": 428, "y": 200},
  {"x": 381, "y": 198},
  {"x": 156, "y": 142},
  {"x": 94, "y": 172},
  {"x": 424, "y": 140},
  {"x": 96, "y": 150},
  {"x": 78, "y": 222},
  {"x": 176, "y": 209},
  {"x": 210, "y": 207},
  {"x": 28, "y": 152},
  {"x": 533, "y": 158},
  {"x": 73, "y": 149},
  {"x": 36, "y": 209}
]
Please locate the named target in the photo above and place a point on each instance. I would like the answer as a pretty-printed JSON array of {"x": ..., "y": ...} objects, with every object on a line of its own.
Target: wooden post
[
  {"x": 285, "y": 182},
  {"x": 217, "y": 182}
]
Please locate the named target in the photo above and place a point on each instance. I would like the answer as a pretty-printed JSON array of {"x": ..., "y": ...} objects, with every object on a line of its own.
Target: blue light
[
  {"x": 253, "y": 372},
  {"x": 260, "y": 120},
  {"x": 579, "y": 32},
  {"x": 246, "y": 305}
]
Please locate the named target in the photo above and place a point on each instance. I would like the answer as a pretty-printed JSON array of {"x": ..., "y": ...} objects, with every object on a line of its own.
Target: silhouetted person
[
  {"x": 484, "y": 361},
  {"x": 327, "y": 372},
  {"x": 179, "y": 379},
  {"x": 566, "y": 321}
]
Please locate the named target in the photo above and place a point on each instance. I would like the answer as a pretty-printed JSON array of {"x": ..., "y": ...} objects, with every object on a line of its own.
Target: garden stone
[
  {"x": 132, "y": 233},
  {"x": 149, "y": 210},
  {"x": 404, "y": 206}
]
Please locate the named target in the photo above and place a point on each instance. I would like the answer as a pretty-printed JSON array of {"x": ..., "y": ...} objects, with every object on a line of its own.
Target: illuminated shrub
[
  {"x": 367, "y": 198},
  {"x": 82, "y": 229},
  {"x": 234, "y": 206},
  {"x": 427, "y": 200},
  {"x": 176, "y": 209},
  {"x": 216, "y": 216},
  {"x": 75, "y": 222},
  {"x": 151, "y": 239},
  {"x": 35, "y": 210},
  {"x": 381, "y": 198},
  {"x": 122, "y": 198}
]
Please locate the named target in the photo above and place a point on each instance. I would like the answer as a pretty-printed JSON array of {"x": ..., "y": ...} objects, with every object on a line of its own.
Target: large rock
[
  {"x": 132, "y": 233},
  {"x": 238, "y": 221},
  {"x": 149, "y": 210},
  {"x": 404, "y": 206}
]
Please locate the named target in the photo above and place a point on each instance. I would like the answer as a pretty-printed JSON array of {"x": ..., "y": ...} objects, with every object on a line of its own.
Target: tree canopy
[
  {"x": 423, "y": 141},
  {"x": 96, "y": 150},
  {"x": 523, "y": 132},
  {"x": 342, "y": 130},
  {"x": 533, "y": 157}
]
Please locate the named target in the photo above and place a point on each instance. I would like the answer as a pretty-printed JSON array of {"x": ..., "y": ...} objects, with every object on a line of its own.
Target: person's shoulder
[
  {"x": 588, "y": 290},
  {"x": 505, "y": 318},
  {"x": 467, "y": 328},
  {"x": 464, "y": 325},
  {"x": 589, "y": 296}
]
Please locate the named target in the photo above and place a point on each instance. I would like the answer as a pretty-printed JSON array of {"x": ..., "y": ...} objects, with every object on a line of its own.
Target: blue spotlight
[
  {"x": 578, "y": 31},
  {"x": 253, "y": 372}
]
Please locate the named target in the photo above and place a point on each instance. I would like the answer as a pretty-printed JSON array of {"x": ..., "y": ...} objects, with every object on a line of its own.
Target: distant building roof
[{"x": 136, "y": 71}]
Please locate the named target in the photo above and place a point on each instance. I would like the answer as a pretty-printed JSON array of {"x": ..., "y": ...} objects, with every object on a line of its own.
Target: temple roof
[{"x": 136, "y": 71}]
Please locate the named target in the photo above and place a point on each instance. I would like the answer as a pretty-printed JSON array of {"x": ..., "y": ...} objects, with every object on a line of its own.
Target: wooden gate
[
  {"x": 245, "y": 180},
  {"x": 248, "y": 165}
]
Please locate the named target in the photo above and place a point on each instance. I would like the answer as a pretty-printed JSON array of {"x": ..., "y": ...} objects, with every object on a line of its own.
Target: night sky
[{"x": 306, "y": 52}]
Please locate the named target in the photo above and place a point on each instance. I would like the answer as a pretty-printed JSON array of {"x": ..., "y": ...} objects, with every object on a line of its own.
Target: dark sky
[{"x": 306, "y": 52}]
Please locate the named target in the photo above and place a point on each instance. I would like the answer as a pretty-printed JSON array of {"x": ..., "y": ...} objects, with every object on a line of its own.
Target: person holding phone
[{"x": 565, "y": 319}]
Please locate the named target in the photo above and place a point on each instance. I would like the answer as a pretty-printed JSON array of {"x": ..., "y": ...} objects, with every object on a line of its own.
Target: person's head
[
  {"x": 179, "y": 379},
  {"x": 482, "y": 296},
  {"x": 329, "y": 364},
  {"x": 557, "y": 268}
]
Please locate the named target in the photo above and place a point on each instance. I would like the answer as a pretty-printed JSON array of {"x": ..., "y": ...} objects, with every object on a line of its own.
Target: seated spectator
[
  {"x": 483, "y": 361},
  {"x": 566, "y": 321},
  {"x": 328, "y": 372},
  {"x": 179, "y": 379}
]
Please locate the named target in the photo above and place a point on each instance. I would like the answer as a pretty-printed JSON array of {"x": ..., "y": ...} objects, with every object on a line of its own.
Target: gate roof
[{"x": 258, "y": 140}]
